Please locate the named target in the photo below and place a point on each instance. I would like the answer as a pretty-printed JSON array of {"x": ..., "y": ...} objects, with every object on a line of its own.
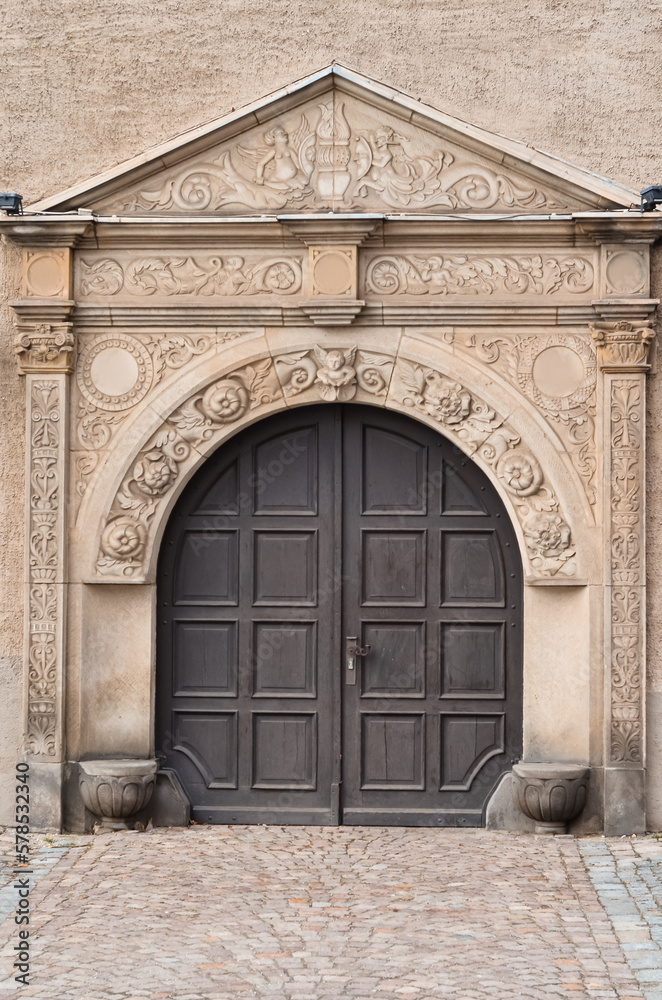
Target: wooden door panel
[
  {"x": 472, "y": 660},
  {"x": 285, "y": 474},
  {"x": 395, "y": 666},
  {"x": 393, "y": 567},
  {"x": 284, "y": 750},
  {"x": 471, "y": 568},
  {"x": 284, "y": 659},
  {"x": 223, "y": 496},
  {"x": 392, "y": 751},
  {"x": 255, "y": 530},
  {"x": 457, "y": 497},
  {"x": 209, "y": 741},
  {"x": 285, "y": 568},
  {"x": 433, "y": 593},
  {"x": 467, "y": 743},
  {"x": 386, "y": 493},
  {"x": 205, "y": 658},
  {"x": 206, "y": 569}
]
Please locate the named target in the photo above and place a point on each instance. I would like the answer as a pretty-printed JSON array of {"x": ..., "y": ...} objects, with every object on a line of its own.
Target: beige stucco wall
[{"x": 92, "y": 85}]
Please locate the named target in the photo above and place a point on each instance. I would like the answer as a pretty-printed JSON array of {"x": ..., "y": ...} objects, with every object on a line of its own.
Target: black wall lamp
[
  {"x": 650, "y": 197},
  {"x": 12, "y": 204}
]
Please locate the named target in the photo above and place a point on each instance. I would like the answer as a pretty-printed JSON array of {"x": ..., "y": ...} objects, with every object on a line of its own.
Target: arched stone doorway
[{"x": 315, "y": 530}]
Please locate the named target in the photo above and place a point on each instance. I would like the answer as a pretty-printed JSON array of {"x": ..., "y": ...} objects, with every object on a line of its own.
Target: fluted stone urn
[
  {"x": 115, "y": 790},
  {"x": 550, "y": 794}
]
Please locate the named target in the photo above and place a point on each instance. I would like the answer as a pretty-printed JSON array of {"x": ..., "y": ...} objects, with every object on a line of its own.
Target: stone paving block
[{"x": 225, "y": 912}]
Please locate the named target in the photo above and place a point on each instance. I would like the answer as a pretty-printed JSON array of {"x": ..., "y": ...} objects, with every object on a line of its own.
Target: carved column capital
[
  {"x": 44, "y": 347},
  {"x": 44, "y": 343},
  {"x": 623, "y": 346}
]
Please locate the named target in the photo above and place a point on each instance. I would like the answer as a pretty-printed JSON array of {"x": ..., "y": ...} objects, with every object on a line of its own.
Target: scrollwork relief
[
  {"x": 558, "y": 373},
  {"x": 460, "y": 274},
  {"x": 325, "y": 159},
  {"x": 156, "y": 470},
  {"x": 484, "y": 433},
  {"x": 213, "y": 276}
]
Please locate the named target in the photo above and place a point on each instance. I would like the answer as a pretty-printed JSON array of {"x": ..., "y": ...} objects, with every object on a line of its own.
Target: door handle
[{"x": 352, "y": 651}]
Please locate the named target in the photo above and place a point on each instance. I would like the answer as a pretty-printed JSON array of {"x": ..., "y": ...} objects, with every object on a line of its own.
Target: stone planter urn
[
  {"x": 550, "y": 794},
  {"x": 115, "y": 790}
]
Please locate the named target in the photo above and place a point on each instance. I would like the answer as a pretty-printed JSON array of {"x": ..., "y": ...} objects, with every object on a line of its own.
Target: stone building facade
[{"x": 338, "y": 243}]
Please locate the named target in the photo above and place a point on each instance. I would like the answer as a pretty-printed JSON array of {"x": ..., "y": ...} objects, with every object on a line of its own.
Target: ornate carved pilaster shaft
[
  {"x": 45, "y": 562},
  {"x": 45, "y": 352},
  {"x": 623, "y": 349}
]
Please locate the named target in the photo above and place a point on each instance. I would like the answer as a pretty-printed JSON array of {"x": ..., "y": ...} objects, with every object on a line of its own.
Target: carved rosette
[
  {"x": 479, "y": 430},
  {"x": 125, "y": 535},
  {"x": 623, "y": 348},
  {"x": 46, "y": 434}
]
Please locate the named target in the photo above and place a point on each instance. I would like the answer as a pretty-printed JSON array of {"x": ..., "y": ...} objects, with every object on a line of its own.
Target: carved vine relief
[
  {"x": 462, "y": 274},
  {"x": 335, "y": 374},
  {"x": 331, "y": 162},
  {"x": 211, "y": 275}
]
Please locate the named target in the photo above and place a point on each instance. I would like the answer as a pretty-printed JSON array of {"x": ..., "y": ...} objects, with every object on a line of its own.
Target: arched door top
[{"x": 168, "y": 439}]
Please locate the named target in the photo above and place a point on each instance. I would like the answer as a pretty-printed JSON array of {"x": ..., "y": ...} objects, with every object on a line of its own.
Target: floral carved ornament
[{"x": 335, "y": 374}]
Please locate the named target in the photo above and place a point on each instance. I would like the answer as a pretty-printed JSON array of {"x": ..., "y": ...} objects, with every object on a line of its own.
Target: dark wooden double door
[{"x": 312, "y": 532}]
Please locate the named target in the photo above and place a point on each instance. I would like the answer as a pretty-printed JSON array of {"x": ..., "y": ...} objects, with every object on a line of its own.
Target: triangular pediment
[{"x": 340, "y": 142}]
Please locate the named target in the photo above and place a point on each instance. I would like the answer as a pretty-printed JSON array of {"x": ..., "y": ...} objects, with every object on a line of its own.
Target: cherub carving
[
  {"x": 336, "y": 374},
  {"x": 285, "y": 162},
  {"x": 386, "y": 167}
]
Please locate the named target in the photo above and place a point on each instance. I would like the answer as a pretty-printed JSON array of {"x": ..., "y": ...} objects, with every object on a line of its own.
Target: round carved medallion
[
  {"x": 45, "y": 275},
  {"x": 626, "y": 272},
  {"x": 558, "y": 373},
  {"x": 115, "y": 372},
  {"x": 332, "y": 273}
]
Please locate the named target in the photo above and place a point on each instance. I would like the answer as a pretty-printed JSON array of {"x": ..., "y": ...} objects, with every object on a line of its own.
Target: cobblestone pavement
[{"x": 307, "y": 913}]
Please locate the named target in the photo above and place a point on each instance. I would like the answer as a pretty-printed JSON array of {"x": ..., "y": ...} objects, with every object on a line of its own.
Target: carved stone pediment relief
[
  {"x": 338, "y": 141},
  {"x": 336, "y": 154}
]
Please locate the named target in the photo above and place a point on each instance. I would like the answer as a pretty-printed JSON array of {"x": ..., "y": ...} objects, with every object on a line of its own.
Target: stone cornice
[{"x": 106, "y": 232}]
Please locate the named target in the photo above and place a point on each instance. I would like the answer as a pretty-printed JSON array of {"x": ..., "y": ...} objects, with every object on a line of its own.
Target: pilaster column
[
  {"x": 623, "y": 349},
  {"x": 44, "y": 347}
]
